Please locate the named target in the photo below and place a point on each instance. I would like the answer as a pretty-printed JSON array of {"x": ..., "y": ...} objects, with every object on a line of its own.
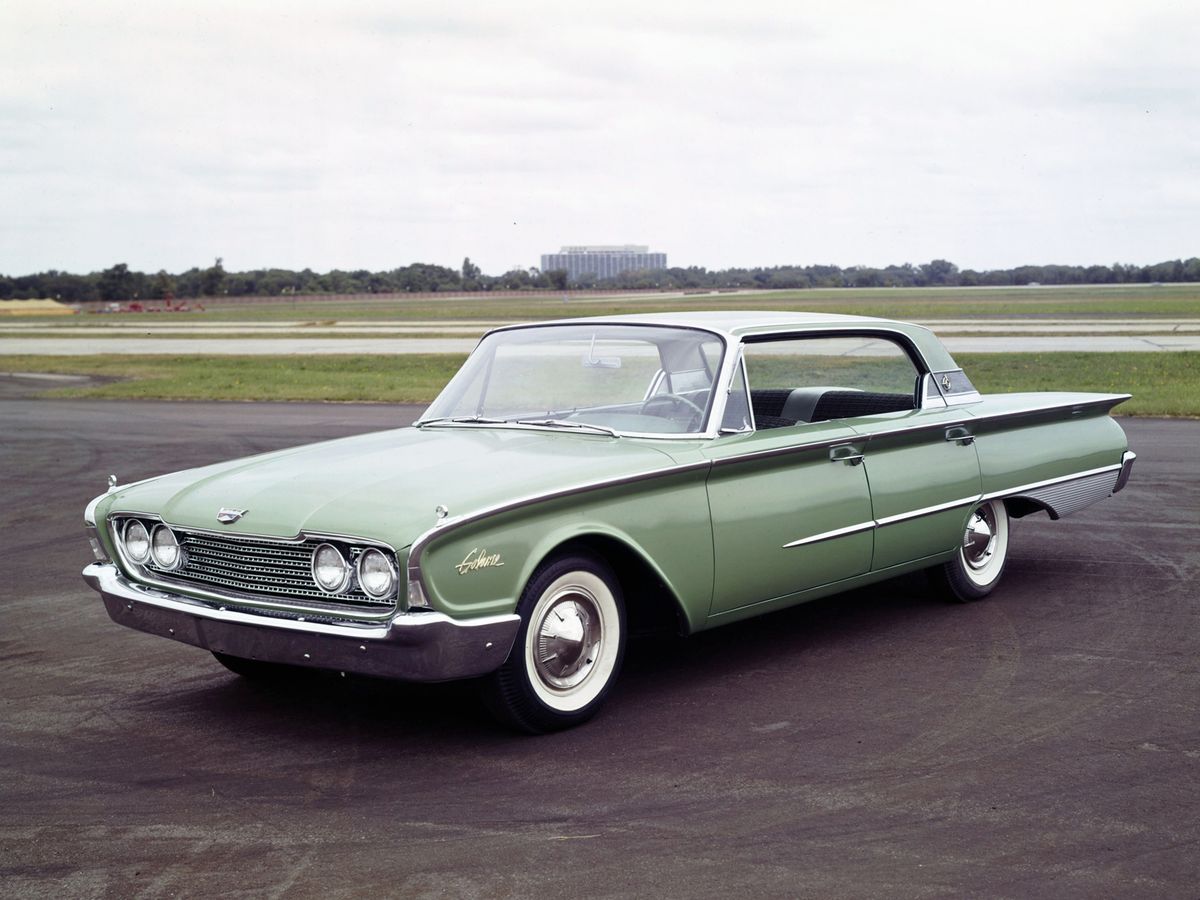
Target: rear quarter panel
[{"x": 1020, "y": 442}]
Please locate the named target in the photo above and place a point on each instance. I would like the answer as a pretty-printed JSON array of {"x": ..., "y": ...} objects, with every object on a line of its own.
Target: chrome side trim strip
[
  {"x": 926, "y": 511},
  {"x": 1013, "y": 491},
  {"x": 1107, "y": 401},
  {"x": 829, "y": 535},
  {"x": 1126, "y": 460},
  {"x": 757, "y": 455}
]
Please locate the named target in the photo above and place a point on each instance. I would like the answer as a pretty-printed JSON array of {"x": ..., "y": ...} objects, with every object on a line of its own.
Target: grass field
[
  {"x": 1163, "y": 384},
  {"x": 1181, "y": 300}
]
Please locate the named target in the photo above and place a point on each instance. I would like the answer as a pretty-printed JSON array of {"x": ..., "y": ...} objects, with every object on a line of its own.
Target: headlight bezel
[
  {"x": 127, "y": 545},
  {"x": 392, "y": 571},
  {"x": 343, "y": 586},
  {"x": 180, "y": 558}
]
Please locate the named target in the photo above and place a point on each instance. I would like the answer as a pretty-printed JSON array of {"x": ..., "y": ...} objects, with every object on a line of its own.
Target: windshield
[{"x": 625, "y": 378}]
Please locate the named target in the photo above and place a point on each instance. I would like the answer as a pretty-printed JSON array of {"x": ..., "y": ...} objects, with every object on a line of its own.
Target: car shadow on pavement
[{"x": 319, "y": 707}]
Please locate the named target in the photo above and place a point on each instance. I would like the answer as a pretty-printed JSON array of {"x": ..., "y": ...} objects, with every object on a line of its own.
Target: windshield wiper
[
  {"x": 460, "y": 420},
  {"x": 563, "y": 423}
]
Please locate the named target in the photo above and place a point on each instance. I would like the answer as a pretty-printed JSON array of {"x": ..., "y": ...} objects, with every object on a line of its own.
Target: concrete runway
[
  {"x": 158, "y": 338},
  {"x": 391, "y": 346},
  {"x": 1044, "y": 742}
]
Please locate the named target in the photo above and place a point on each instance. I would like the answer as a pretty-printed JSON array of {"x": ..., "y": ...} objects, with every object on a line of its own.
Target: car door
[
  {"x": 790, "y": 506},
  {"x": 919, "y": 460},
  {"x": 924, "y": 474}
]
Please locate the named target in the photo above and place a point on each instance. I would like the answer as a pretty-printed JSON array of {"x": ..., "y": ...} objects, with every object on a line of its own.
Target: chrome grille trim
[{"x": 270, "y": 574}]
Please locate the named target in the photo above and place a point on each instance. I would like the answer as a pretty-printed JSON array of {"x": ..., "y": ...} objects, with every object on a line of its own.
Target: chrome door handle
[
  {"x": 961, "y": 434},
  {"x": 845, "y": 453}
]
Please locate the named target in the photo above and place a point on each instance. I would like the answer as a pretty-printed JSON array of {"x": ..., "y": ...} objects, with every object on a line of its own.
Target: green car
[{"x": 585, "y": 479}]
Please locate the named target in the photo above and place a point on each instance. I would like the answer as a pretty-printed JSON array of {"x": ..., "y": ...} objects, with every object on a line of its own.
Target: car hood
[{"x": 385, "y": 486}]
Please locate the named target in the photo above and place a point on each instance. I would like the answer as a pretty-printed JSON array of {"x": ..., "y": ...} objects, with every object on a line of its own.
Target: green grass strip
[
  {"x": 403, "y": 378},
  {"x": 1176, "y": 300},
  {"x": 1162, "y": 384}
]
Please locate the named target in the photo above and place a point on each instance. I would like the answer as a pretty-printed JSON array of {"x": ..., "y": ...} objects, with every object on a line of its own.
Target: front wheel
[
  {"x": 976, "y": 568},
  {"x": 568, "y": 650}
]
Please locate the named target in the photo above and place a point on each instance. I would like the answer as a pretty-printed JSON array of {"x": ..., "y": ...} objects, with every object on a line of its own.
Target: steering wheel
[{"x": 675, "y": 400}]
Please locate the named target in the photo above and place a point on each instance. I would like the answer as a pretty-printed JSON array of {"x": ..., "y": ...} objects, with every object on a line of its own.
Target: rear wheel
[
  {"x": 976, "y": 568},
  {"x": 568, "y": 650}
]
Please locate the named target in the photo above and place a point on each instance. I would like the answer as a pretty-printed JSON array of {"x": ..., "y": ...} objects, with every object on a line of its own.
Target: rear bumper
[
  {"x": 412, "y": 647},
  {"x": 1127, "y": 459}
]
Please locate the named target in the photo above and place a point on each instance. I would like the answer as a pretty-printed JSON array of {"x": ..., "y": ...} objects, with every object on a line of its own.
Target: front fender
[{"x": 481, "y": 567}]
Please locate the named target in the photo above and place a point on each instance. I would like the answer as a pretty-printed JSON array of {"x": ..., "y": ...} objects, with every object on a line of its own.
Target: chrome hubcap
[
  {"x": 979, "y": 540},
  {"x": 568, "y": 638}
]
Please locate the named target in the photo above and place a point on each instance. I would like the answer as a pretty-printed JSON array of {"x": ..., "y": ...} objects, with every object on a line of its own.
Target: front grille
[{"x": 270, "y": 569}]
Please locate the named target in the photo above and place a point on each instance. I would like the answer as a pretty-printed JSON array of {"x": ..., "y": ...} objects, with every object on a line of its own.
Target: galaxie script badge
[
  {"x": 479, "y": 559},
  {"x": 227, "y": 515}
]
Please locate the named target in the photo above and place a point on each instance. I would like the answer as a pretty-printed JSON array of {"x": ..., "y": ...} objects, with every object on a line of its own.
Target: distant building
[{"x": 603, "y": 261}]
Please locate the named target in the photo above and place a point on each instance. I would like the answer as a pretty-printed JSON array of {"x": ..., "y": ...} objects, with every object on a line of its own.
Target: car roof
[
  {"x": 731, "y": 322},
  {"x": 737, "y": 324}
]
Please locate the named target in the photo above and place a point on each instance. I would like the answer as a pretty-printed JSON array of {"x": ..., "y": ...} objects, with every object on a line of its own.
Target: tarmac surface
[{"x": 1044, "y": 742}]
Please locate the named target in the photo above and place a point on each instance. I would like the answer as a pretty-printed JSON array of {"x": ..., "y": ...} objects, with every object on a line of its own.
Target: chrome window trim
[
  {"x": 583, "y": 429},
  {"x": 963, "y": 399},
  {"x": 904, "y": 341},
  {"x": 738, "y": 368},
  {"x": 928, "y": 399},
  {"x": 716, "y": 406},
  {"x": 956, "y": 398}
]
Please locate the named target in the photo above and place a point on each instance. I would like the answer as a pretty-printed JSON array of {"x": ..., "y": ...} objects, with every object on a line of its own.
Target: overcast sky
[{"x": 376, "y": 134}]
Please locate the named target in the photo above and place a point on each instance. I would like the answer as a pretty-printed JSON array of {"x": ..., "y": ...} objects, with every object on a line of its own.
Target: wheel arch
[
  {"x": 1019, "y": 506},
  {"x": 651, "y": 602}
]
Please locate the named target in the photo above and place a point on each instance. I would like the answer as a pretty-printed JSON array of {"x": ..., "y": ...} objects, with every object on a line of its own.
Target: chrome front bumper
[{"x": 426, "y": 646}]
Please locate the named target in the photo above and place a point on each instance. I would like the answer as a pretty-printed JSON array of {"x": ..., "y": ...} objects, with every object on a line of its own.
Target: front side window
[
  {"x": 818, "y": 379},
  {"x": 631, "y": 379}
]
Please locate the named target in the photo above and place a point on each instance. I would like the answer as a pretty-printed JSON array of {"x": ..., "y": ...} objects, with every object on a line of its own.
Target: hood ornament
[{"x": 227, "y": 515}]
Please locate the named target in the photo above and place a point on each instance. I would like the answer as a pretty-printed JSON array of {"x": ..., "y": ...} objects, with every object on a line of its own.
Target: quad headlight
[
  {"x": 376, "y": 574},
  {"x": 165, "y": 548},
  {"x": 330, "y": 570},
  {"x": 137, "y": 541}
]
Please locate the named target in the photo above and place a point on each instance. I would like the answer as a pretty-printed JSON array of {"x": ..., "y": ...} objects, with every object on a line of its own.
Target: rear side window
[{"x": 819, "y": 379}]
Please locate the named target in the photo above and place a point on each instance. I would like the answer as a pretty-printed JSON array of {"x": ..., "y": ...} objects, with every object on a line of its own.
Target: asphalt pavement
[{"x": 1044, "y": 742}]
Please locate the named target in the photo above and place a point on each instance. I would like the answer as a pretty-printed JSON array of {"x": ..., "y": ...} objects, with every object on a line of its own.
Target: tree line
[{"x": 120, "y": 283}]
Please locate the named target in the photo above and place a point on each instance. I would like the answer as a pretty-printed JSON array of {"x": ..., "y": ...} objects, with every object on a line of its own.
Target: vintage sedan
[{"x": 579, "y": 480}]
